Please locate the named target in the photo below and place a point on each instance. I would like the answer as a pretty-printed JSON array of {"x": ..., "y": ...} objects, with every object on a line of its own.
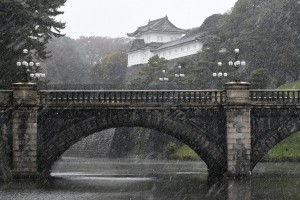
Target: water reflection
[
  {"x": 110, "y": 180},
  {"x": 239, "y": 189}
]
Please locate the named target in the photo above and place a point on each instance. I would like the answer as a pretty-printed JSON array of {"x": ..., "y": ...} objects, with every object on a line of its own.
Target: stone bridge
[{"x": 231, "y": 130}]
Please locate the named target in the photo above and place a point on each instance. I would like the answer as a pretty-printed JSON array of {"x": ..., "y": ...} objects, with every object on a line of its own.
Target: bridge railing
[
  {"x": 275, "y": 96},
  {"x": 131, "y": 96}
]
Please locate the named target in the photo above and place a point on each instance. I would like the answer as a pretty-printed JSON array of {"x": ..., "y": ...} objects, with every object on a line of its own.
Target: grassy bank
[
  {"x": 286, "y": 150},
  {"x": 184, "y": 153},
  {"x": 292, "y": 85}
]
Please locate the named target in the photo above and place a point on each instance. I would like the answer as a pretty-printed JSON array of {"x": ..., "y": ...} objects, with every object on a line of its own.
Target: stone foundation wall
[{"x": 97, "y": 145}]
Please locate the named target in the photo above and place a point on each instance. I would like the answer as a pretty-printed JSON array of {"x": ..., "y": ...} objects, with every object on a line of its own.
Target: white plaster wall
[
  {"x": 139, "y": 57},
  {"x": 142, "y": 56},
  {"x": 180, "y": 51}
]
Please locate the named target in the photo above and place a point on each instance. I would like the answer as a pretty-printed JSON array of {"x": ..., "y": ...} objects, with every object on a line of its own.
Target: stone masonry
[
  {"x": 96, "y": 145},
  {"x": 238, "y": 130},
  {"x": 231, "y": 130},
  {"x": 25, "y": 130}
]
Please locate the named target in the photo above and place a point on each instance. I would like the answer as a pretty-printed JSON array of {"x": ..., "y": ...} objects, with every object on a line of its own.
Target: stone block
[
  {"x": 247, "y": 136},
  {"x": 33, "y": 159},
  {"x": 231, "y": 130},
  {"x": 246, "y": 141},
  {"x": 238, "y": 135},
  {"x": 32, "y": 153},
  {"x": 230, "y": 168},
  {"x": 33, "y": 144},
  {"x": 247, "y": 157},
  {"x": 34, "y": 169},
  {"x": 231, "y": 140},
  {"x": 16, "y": 146},
  {"x": 230, "y": 155},
  {"x": 247, "y": 144},
  {"x": 24, "y": 169},
  {"x": 230, "y": 146},
  {"x": 229, "y": 124},
  {"x": 231, "y": 163}
]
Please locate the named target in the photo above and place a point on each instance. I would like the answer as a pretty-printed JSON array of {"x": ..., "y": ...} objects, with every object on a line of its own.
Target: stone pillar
[
  {"x": 25, "y": 130},
  {"x": 238, "y": 129}
]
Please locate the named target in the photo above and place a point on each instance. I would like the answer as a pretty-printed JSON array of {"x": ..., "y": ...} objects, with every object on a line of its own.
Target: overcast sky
[{"x": 116, "y": 18}]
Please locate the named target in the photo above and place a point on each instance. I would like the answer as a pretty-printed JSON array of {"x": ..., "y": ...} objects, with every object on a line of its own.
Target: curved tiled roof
[
  {"x": 158, "y": 25},
  {"x": 140, "y": 45}
]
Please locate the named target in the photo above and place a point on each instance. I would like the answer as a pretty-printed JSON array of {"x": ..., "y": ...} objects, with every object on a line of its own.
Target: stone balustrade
[
  {"x": 132, "y": 96},
  {"x": 275, "y": 96},
  {"x": 256, "y": 97}
]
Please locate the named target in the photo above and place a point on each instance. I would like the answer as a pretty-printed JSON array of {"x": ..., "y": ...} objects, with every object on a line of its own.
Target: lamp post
[
  {"x": 163, "y": 78},
  {"x": 179, "y": 74},
  {"x": 29, "y": 66},
  {"x": 35, "y": 75},
  {"x": 220, "y": 74},
  {"x": 236, "y": 63}
]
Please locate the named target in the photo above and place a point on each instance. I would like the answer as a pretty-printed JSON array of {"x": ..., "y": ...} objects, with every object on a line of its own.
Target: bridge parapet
[
  {"x": 275, "y": 97},
  {"x": 257, "y": 97},
  {"x": 89, "y": 97}
]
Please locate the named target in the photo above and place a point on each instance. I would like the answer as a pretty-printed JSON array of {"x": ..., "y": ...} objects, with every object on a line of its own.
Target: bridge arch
[
  {"x": 271, "y": 132},
  {"x": 171, "y": 123}
]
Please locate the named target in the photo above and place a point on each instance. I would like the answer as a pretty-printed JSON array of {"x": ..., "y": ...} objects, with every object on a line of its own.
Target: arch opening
[
  {"x": 211, "y": 154},
  {"x": 144, "y": 156},
  {"x": 271, "y": 129},
  {"x": 133, "y": 142}
]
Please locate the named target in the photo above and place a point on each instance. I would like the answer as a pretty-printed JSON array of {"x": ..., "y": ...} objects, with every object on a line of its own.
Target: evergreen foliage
[
  {"x": 260, "y": 79},
  {"x": 151, "y": 72},
  {"x": 265, "y": 31},
  {"x": 26, "y": 24},
  {"x": 112, "y": 67}
]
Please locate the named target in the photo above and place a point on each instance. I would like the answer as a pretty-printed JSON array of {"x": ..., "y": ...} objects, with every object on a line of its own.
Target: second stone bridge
[{"x": 231, "y": 130}]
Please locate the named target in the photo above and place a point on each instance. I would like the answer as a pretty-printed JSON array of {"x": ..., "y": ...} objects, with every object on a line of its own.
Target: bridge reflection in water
[
  {"x": 110, "y": 179},
  {"x": 231, "y": 130}
]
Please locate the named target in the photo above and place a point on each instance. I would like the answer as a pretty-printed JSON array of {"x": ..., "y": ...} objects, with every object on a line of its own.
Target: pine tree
[
  {"x": 151, "y": 72},
  {"x": 26, "y": 24}
]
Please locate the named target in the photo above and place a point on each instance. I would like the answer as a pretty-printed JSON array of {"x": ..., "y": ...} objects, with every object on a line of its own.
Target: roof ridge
[
  {"x": 162, "y": 24},
  {"x": 158, "y": 19}
]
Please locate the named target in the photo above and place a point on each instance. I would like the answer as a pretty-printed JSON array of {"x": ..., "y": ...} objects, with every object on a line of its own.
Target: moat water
[{"x": 108, "y": 179}]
